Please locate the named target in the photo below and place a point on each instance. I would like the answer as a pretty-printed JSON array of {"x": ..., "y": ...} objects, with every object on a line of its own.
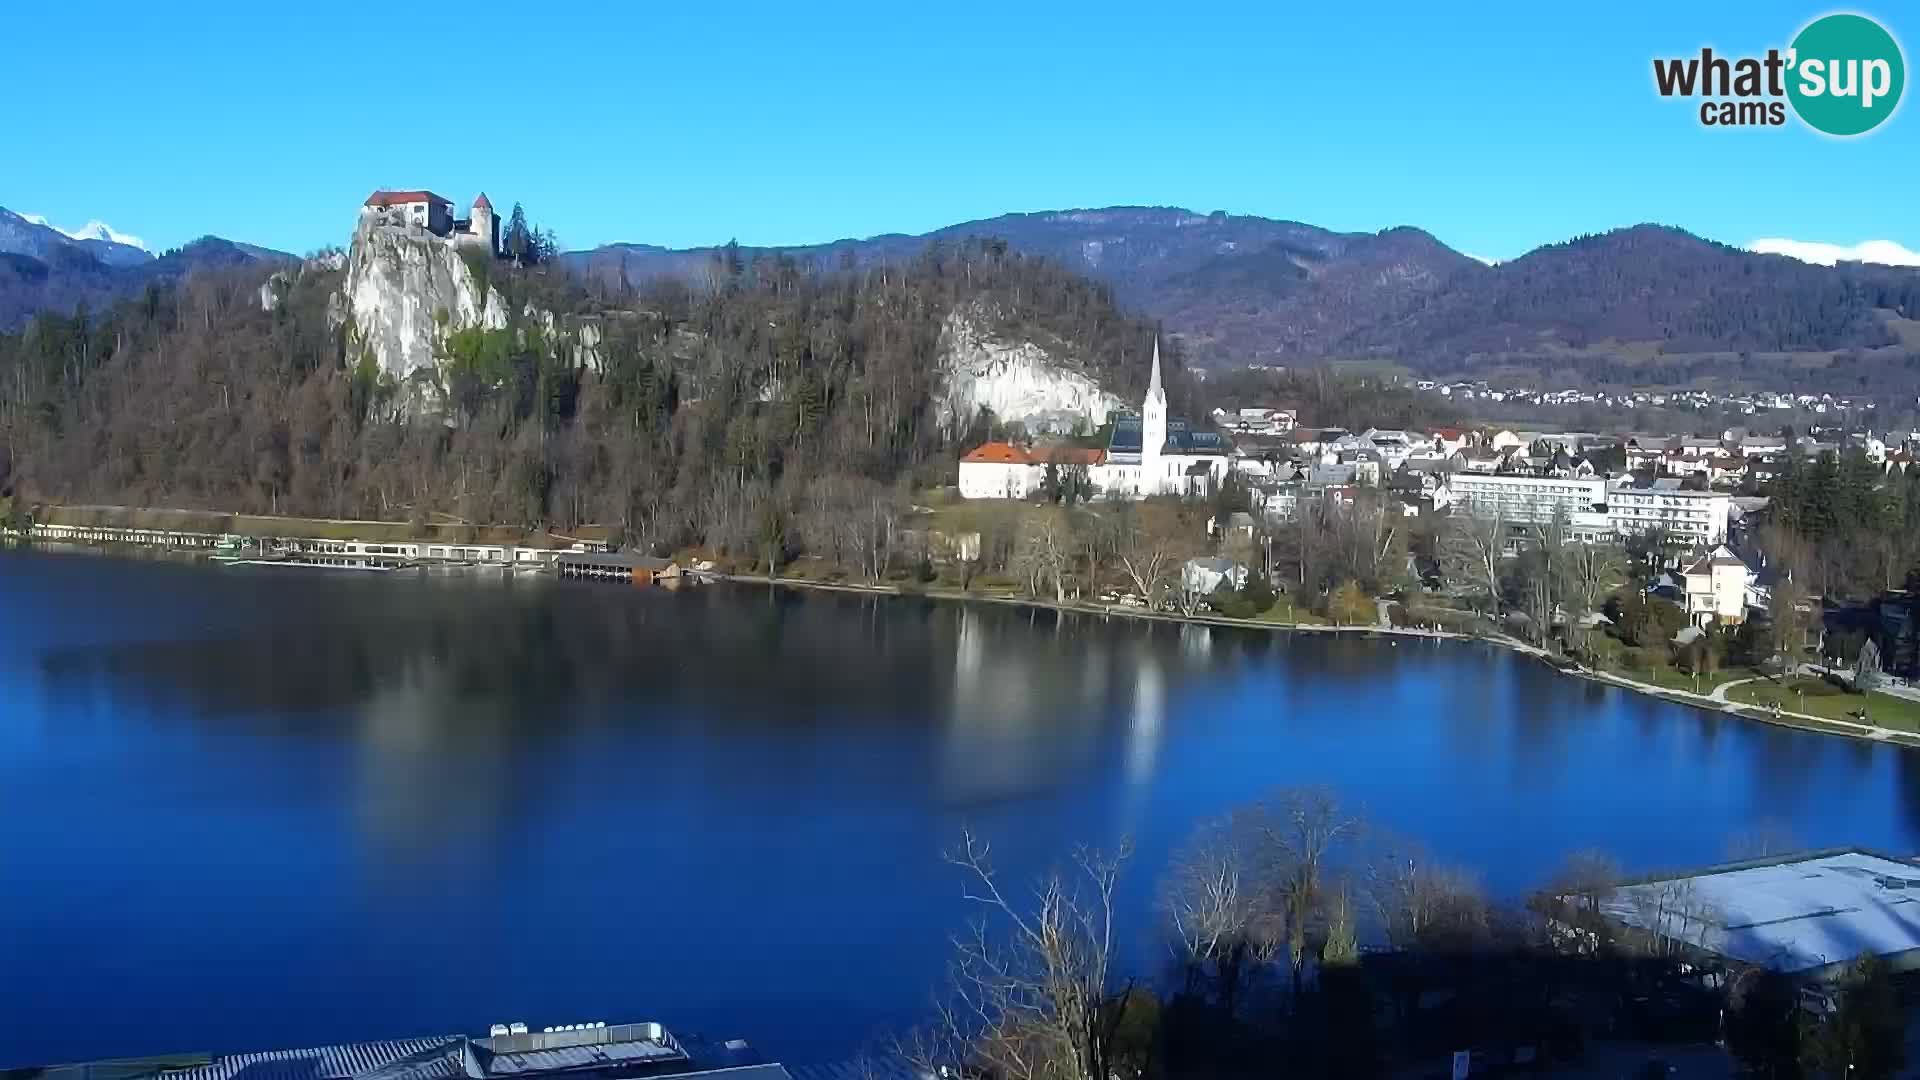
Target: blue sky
[{"x": 1496, "y": 127}]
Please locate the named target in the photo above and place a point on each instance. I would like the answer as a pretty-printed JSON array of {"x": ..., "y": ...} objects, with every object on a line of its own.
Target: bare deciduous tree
[
  {"x": 1045, "y": 552},
  {"x": 1218, "y": 908},
  {"x": 1301, "y": 830},
  {"x": 1420, "y": 902},
  {"x": 1675, "y": 917},
  {"x": 1151, "y": 543},
  {"x": 1575, "y": 898},
  {"x": 1032, "y": 995},
  {"x": 1593, "y": 571},
  {"x": 1470, "y": 547}
]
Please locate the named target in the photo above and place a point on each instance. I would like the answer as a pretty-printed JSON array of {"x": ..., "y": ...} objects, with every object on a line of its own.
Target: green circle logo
[{"x": 1846, "y": 76}]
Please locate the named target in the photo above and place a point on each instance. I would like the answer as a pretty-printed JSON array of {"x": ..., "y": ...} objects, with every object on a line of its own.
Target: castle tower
[
  {"x": 1153, "y": 431},
  {"x": 485, "y": 224}
]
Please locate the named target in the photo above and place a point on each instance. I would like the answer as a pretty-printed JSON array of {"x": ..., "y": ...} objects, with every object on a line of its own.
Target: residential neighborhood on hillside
[{"x": 1747, "y": 403}]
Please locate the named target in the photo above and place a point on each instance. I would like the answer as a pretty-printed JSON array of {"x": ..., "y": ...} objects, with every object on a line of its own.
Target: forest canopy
[{"x": 717, "y": 407}]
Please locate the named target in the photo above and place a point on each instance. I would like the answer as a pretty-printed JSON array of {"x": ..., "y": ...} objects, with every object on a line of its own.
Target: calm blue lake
[{"x": 246, "y": 809}]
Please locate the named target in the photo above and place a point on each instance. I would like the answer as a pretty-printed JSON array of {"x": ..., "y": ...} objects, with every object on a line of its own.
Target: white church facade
[{"x": 1148, "y": 454}]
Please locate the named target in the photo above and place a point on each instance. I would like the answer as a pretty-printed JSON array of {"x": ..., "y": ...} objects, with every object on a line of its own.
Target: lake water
[{"x": 244, "y": 809}]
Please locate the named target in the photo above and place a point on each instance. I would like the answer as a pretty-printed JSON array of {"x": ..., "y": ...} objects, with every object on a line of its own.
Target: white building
[
  {"x": 1149, "y": 454},
  {"x": 428, "y": 212},
  {"x": 1204, "y": 575},
  {"x": 997, "y": 470},
  {"x": 1663, "y": 505},
  {"x": 1806, "y": 915},
  {"x": 1717, "y": 585},
  {"x": 1525, "y": 500}
]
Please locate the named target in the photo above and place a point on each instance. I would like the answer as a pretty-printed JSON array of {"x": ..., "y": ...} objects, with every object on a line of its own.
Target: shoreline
[
  {"x": 1715, "y": 703},
  {"x": 1708, "y": 702}
]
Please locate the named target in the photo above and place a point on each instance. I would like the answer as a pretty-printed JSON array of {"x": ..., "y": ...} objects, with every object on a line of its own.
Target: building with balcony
[{"x": 1663, "y": 505}]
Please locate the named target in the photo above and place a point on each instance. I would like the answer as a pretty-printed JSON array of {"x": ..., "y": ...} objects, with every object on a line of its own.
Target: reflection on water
[{"x": 274, "y": 808}]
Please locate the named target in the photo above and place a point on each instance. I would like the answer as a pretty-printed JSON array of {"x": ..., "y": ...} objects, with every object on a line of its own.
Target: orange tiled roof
[
  {"x": 998, "y": 453},
  {"x": 401, "y": 198},
  {"x": 1069, "y": 455}
]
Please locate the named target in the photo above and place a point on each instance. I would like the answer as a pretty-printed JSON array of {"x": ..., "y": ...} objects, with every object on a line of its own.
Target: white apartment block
[
  {"x": 1525, "y": 500},
  {"x": 1699, "y": 517},
  {"x": 1593, "y": 512}
]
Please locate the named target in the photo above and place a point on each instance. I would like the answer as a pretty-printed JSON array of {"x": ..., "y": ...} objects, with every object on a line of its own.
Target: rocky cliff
[
  {"x": 405, "y": 292},
  {"x": 1017, "y": 379}
]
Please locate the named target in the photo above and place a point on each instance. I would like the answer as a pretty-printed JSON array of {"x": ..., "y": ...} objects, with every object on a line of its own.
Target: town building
[
  {"x": 1152, "y": 454},
  {"x": 997, "y": 470},
  {"x": 424, "y": 211},
  {"x": 1148, "y": 454},
  {"x": 1664, "y": 505},
  {"x": 1525, "y": 500},
  {"x": 1808, "y": 915},
  {"x": 511, "y": 1052},
  {"x": 1716, "y": 588},
  {"x": 1202, "y": 576}
]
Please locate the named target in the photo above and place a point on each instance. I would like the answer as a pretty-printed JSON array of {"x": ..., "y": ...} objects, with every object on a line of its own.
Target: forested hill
[
  {"x": 42, "y": 269},
  {"x": 1646, "y": 304},
  {"x": 1660, "y": 288},
  {"x": 774, "y": 398},
  {"x": 1235, "y": 288}
]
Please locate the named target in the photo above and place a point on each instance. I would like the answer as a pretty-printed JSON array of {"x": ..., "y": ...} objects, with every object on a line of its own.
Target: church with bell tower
[
  {"x": 1154, "y": 454},
  {"x": 1153, "y": 424},
  {"x": 1149, "y": 453}
]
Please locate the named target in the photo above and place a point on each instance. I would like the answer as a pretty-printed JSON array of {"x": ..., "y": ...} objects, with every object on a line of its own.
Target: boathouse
[{"x": 617, "y": 566}]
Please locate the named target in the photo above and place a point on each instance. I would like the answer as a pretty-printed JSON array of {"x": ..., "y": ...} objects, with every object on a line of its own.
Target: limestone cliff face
[
  {"x": 1018, "y": 380},
  {"x": 404, "y": 293},
  {"x": 275, "y": 288},
  {"x": 576, "y": 338}
]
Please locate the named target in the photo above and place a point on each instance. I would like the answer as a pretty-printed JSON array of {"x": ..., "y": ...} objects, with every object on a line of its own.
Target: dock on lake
[{"x": 617, "y": 566}]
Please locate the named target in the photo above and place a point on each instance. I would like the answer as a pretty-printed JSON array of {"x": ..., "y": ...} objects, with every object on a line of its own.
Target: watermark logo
[{"x": 1842, "y": 75}]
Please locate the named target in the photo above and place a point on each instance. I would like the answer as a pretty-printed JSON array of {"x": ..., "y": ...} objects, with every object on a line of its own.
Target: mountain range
[
  {"x": 45, "y": 269},
  {"x": 1646, "y": 304},
  {"x": 1634, "y": 304}
]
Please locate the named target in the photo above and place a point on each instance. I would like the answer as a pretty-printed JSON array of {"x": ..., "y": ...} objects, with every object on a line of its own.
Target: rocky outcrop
[
  {"x": 575, "y": 337},
  {"x": 406, "y": 291},
  {"x": 273, "y": 291},
  {"x": 1017, "y": 380}
]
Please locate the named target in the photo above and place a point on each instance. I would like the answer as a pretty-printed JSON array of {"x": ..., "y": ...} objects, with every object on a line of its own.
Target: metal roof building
[
  {"x": 580, "y": 1052},
  {"x": 1808, "y": 914}
]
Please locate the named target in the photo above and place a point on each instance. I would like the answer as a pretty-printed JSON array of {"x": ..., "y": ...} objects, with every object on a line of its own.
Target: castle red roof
[
  {"x": 401, "y": 198},
  {"x": 482, "y": 201}
]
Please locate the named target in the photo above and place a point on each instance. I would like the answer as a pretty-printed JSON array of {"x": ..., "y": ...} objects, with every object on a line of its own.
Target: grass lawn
[
  {"x": 1671, "y": 678},
  {"x": 1883, "y": 710},
  {"x": 1286, "y": 613}
]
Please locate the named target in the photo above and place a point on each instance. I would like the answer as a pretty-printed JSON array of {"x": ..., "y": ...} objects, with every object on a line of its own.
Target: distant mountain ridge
[
  {"x": 1234, "y": 287},
  {"x": 1251, "y": 290},
  {"x": 44, "y": 269}
]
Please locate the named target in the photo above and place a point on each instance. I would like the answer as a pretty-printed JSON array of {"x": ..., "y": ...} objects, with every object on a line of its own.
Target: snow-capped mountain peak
[{"x": 92, "y": 230}]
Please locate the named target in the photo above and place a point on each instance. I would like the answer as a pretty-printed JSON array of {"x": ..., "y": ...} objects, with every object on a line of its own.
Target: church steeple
[{"x": 1153, "y": 430}]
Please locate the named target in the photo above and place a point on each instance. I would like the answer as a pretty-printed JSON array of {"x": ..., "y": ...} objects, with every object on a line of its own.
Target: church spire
[{"x": 1153, "y": 384}]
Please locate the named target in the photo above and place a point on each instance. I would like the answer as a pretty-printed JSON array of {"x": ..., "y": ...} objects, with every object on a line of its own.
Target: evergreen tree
[{"x": 519, "y": 237}]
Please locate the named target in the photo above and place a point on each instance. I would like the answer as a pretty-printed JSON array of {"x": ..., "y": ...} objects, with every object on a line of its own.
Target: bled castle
[{"x": 426, "y": 212}]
